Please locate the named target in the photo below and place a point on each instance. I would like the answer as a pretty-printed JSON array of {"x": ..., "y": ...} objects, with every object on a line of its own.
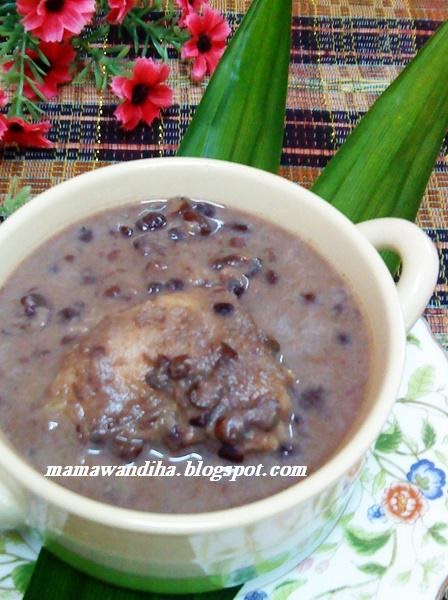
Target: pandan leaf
[
  {"x": 241, "y": 116},
  {"x": 383, "y": 167},
  {"x": 55, "y": 580}
]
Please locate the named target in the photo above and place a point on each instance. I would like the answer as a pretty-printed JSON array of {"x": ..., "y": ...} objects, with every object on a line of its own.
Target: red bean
[
  {"x": 151, "y": 221},
  {"x": 224, "y": 309},
  {"x": 112, "y": 292},
  {"x": 32, "y": 302},
  {"x": 127, "y": 448},
  {"x": 271, "y": 277},
  {"x": 154, "y": 288},
  {"x": 85, "y": 235},
  {"x": 126, "y": 231},
  {"x": 179, "y": 367},
  {"x": 230, "y": 453},
  {"x": 308, "y": 298},
  {"x": 313, "y": 397},
  {"x": 174, "y": 285}
]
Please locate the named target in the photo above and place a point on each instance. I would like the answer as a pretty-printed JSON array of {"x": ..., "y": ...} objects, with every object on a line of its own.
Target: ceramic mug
[{"x": 199, "y": 552}]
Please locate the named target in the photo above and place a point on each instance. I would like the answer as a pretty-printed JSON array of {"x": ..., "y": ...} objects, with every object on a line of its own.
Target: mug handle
[{"x": 420, "y": 261}]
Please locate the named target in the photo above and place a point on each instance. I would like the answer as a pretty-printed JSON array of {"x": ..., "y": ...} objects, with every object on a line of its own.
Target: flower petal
[
  {"x": 128, "y": 115},
  {"x": 162, "y": 96},
  {"x": 150, "y": 112},
  {"x": 190, "y": 49},
  {"x": 199, "y": 68},
  {"x": 117, "y": 86}
]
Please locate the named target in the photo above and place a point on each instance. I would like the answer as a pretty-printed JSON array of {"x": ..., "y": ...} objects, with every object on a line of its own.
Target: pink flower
[
  {"x": 322, "y": 566},
  {"x": 26, "y": 135},
  {"x": 144, "y": 94},
  {"x": 304, "y": 565},
  {"x": 60, "y": 56},
  {"x": 188, "y": 7},
  {"x": 55, "y": 20},
  {"x": 118, "y": 10},
  {"x": 209, "y": 34},
  {"x": 3, "y": 98}
]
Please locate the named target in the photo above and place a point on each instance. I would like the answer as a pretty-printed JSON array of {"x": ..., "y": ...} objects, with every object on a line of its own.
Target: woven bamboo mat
[{"x": 345, "y": 53}]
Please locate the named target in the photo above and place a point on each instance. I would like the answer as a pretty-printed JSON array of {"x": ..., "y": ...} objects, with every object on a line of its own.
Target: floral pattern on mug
[
  {"x": 404, "y": 502},
  {"x": 371, "y": 554},
  {"x": 393, "y": 538},
  {"x": 428, "y": 478}
]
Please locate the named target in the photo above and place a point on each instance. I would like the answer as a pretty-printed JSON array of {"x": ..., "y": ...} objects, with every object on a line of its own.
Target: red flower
[
  {"x": 144, "y": 94},
  {"x": 3, "y": 127},
  {"x": 27, "y": 135},
  {"x": 60, "y": 56},
  {"x": 118, "y": 10},
  {"x": 3, "y": 98},
  {"x": 210, "y": 32},
  {"x": 55, "y": 20},
  {"x": 188, "y": 7}
]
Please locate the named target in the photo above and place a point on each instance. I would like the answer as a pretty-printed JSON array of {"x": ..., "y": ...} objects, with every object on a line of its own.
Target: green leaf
[
  {"x": 328, "y": 547},
  {"x": 434, "y": 532},
  {"x": 35, "y": 89},
  {"x": 82, "y": 75},
  {"x": 42, "y": 57},
  {"x": 21, "y": 576},
  {"x": 389, "y": 440},
  {"x": 413, "y": 340},
  {"x": 15, "y": 199},
  {"x": 54, "y": 579},
  {"x": 431, "y": 566},
  {"x": 407, "y": 124},
  {"x": 421, "y": 382},
  {"x": 442, "y": 457},
  {"x": 428, "y": 435},
  {"x": 379, "y": 481},
  {"x": 345, "y": 519},
  {"x": 285, "y": 589},
  {"x": 373, "y": 569},
  {"x": 366, "y": 476},
  {"x": 403, "y": 578},
  {"x": 364, "y": 542}
]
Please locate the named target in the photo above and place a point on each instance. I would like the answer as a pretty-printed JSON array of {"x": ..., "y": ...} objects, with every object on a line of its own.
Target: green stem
[
  {"x": 344, "y": 587},
  {"x": 394, "y": 549},
  {"x": 380, "y": 459},
  {"x": 412, "y": 452},
  {"x": 16, "y": 107},
  {"x": 423, "y": 404}
]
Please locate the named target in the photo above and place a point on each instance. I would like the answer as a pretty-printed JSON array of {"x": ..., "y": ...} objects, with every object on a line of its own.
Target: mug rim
[{"x": 328, "y": 474}]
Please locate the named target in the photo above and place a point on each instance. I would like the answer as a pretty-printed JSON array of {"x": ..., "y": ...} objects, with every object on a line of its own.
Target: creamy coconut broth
[{"x": 179, "y": 330}]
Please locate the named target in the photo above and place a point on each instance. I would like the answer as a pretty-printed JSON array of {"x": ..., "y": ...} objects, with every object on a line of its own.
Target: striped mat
[{"x": 345, "y": 53}]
